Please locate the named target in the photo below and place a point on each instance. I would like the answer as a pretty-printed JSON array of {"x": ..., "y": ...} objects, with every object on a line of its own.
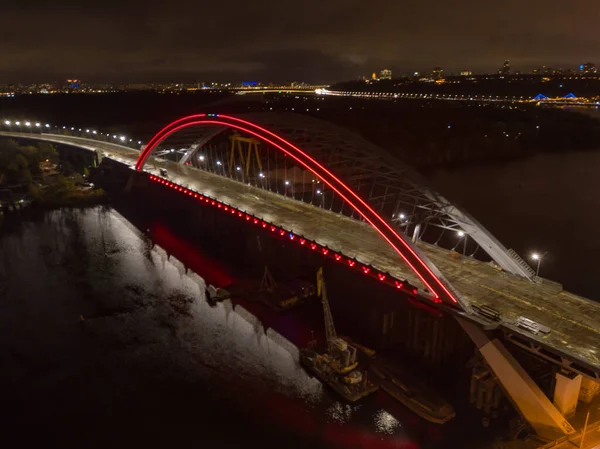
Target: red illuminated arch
[{"x": 428, "y": 274}]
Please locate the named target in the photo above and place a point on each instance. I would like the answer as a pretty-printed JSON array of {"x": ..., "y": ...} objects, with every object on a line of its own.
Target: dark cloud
[{"x": 281, "y": 40}]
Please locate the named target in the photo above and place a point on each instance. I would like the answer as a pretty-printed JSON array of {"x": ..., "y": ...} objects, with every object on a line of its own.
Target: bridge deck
[{"x": 574, "y": 321}]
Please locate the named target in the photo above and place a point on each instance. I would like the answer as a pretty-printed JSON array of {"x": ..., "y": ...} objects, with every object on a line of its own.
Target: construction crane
[
  {"x": 330, "y": 333},
  {"x": 343, "y": 355}
]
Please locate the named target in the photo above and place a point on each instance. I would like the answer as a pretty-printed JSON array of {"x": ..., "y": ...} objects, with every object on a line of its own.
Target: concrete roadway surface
[{"x": 574, "y": 321}]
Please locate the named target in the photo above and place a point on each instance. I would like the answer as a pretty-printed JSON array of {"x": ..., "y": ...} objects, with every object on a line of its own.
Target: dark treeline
[
  {"x": 527, "y": 86},
  {"x": 139, "y": 113},
  {"x": 424, "y": 133},
  {"x": 432, "y": 133}
]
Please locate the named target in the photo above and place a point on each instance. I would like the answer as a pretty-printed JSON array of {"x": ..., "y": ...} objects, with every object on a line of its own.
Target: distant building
[
  {"x": 505, "y": 69},
  {"x": 438, "y": 73},
  {"x": 466, "y": 73},
  {"x": 588, "y": 68},
  {"x": 73, "y": 84},
  {"x": 386, "y": 74}
]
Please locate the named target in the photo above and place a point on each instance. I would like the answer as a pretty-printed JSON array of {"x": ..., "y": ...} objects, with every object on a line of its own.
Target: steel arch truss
[
  {"x": 391, "y": 187},
  {"x": 375, "y": 184}
]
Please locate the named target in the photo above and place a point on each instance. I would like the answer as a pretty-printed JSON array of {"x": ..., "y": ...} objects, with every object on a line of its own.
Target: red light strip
[
  {"x": 355, "y": 195},
  {"x": 165, "y": 132},
  {"x": 158, "y": 137},
  {"x": 325, "y": 251}
]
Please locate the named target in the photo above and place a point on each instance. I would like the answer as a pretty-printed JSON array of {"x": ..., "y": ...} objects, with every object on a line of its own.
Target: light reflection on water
[
  {"x": 142, "y": 308},
  {"x": 385, "y": 422}
]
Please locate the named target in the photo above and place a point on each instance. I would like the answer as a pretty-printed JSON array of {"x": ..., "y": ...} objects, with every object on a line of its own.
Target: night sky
[{"x": 304, "y": 40}]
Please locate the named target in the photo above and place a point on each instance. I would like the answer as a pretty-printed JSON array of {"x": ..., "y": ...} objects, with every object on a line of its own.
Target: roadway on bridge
[{"x": 575, "y": 321}]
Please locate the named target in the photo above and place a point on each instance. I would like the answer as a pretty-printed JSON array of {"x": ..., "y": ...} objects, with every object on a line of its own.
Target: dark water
[
  {"x": 549, "y": 202},
  {"x": 152, "y": 364}
]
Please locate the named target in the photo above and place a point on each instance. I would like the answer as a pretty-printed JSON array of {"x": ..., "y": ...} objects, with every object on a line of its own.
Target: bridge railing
[{"x": 522, "y": 263}]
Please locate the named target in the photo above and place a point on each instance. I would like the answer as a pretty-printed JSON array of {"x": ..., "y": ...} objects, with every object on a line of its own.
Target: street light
[
  {"x": 538, "y": 257},
  {"x": 7, "y": 122},
  {"x": 461, "y": 235}
]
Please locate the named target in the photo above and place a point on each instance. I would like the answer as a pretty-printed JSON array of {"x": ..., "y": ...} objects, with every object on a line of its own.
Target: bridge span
[{"x": 532, "y": 313}]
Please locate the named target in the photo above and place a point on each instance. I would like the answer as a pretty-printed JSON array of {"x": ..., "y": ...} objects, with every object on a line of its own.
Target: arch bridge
[{"x": 336, "y": 193}]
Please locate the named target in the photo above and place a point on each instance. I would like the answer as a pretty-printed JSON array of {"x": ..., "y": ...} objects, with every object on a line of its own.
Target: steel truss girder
[{"x": 550, "y": 356}]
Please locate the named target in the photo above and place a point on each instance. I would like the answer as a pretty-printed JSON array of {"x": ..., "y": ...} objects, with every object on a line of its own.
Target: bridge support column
[
  {"x": 531, "y": 402},
  {"x": 566, "y": 392}
]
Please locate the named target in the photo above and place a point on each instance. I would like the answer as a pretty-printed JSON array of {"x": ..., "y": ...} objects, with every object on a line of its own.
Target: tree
[
  {"x": 32, "y": 155},
  {"x": 48, "y": 152},
  {"x": 17, "y": 171}
]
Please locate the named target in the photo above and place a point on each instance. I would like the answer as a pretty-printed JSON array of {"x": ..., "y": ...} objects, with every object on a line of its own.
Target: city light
[
  {"x": 201, "y": 157},
  {"x": 7, "y": 122},
  {"x": 27, "y": 123},
  {"x": 37, "y": 125},
  {"x": 461, "y": 234},
  {"x": 122, "y": 138},
  {"x": 219, "y": 163},
  {"x": 261, "y": 175}
]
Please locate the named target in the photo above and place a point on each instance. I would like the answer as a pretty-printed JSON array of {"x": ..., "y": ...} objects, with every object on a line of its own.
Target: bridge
[
  {"x": 332, "y": 192},
  {"x": 567, "y": 100}
]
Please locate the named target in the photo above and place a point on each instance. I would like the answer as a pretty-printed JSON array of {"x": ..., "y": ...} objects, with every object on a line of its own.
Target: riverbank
[{"x": 57, "y": 196}]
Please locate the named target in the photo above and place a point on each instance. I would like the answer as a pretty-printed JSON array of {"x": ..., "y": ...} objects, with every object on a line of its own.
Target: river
[
  {"x": 548, "y": 202},
  {"x": 105, "y": 341}
]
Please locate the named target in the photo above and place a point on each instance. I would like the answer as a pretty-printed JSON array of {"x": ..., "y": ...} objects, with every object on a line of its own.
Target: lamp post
[
  {"x": 462, "y": 235},
  {"x": 538, "y": 257}
]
